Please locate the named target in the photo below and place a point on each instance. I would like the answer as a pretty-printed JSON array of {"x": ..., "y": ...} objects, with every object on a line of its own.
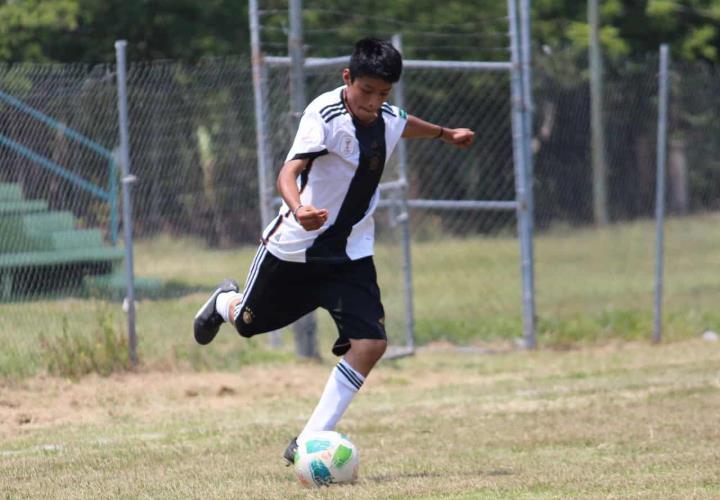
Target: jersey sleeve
[
  {"x": 310, "y": 138},
  {"x": 395, "y": 121}
]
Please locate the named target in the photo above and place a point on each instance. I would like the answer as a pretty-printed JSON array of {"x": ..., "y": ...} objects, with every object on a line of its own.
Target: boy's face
[{"x": 365, "y": 95}]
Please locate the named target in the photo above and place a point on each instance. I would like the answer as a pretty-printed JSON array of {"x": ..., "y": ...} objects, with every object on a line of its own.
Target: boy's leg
[
  {"x": 276, "y": 294},
  {"x": 354, "y": 303},
  {"x": 345, "y": 381},
  {"x": 214, "y": 312}
]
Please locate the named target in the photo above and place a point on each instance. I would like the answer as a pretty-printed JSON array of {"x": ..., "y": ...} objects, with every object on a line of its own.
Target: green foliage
[
  {"x": 84, "y": 30},
  {"x": 699, "y": 43},
  {"x": 74, "y": 353},
  {"x": 27, "y": 28}
]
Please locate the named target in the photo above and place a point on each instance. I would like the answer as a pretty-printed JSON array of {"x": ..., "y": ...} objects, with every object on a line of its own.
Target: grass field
[
  {"x": 592, "y": 286},
  {"x": 624, "y": 420}
]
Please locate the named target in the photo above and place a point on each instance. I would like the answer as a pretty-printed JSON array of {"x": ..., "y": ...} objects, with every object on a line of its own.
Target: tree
[{"x": 28, "y": 28}]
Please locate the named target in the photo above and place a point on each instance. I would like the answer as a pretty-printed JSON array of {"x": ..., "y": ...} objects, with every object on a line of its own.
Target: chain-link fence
[
  {"x": 596, "y": 281},
  {"x": 197, "y": 216},
  {"x": 58, "y": 200}
]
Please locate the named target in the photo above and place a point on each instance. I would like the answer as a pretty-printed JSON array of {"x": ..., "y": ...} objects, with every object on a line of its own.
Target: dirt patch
[
  {"x": 44, "y": 402},
  {"x": 47, "y": 401}
]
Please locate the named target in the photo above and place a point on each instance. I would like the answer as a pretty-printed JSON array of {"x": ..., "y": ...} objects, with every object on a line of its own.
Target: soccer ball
[{"x": 326, "y": 457}]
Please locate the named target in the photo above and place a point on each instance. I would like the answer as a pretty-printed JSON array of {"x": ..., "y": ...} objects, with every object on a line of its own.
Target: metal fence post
[
  {"x": 127, "y": 180},
  {"x": 404, "y": 216},
  {"x": 660, "y": 188},
  {"x": 528, "y": 111},
  {"x": 519, "y": 156},
  {"x": 597, "y": 132},
  {"x": 304, "y": 329},
  {"x": 260, "y": 115}
]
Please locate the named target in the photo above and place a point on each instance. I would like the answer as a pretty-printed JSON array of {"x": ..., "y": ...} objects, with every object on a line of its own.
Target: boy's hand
[
  {"x": 460, "y": 137},
  {"x": 311, "y": 218}
]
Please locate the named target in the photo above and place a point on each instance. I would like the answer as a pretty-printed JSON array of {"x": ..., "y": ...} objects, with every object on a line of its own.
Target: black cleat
[
  {"x": 207, "y": 320},
  {"x": 289, "y": 454}
]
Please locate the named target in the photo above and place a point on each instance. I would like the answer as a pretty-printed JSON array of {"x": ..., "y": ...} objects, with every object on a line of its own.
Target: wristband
[
  {"x": 442, "y": 131},
  {"x": 294, "y": 212}
]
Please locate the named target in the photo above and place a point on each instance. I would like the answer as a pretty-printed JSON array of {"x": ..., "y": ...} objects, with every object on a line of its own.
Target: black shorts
[{"x": 278, "y": 293}]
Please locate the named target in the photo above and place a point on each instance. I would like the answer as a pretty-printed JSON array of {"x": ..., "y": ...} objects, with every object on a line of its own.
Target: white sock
[
  {"x": 222, "y": 302},
  {"x": 341, "y": 387}
]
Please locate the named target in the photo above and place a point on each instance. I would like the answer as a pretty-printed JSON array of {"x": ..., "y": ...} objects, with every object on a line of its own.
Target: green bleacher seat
[
  {"x": 77, "y": 238},
  {"x": 47, "y": 222},
  {"x": 16, "y": 207},
  {"x": 43, "y": 242},
  {"x": 10, "y": 192}
]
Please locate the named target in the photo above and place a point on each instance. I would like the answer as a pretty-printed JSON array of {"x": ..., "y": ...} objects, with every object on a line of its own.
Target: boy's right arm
[{"x": 309, "y": 217}]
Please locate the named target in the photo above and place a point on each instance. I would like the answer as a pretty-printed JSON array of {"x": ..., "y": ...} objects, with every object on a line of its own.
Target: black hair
[{"x": 377, "y": 59}]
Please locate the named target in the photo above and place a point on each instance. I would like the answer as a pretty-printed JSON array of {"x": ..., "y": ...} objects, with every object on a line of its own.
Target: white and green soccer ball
[{"x": 326, "y": 457}]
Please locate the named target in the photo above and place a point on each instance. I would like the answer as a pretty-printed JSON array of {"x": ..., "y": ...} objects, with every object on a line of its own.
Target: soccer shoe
[
  {"x": 289, "y": 454},
  {"x": 207, "y": 319}
]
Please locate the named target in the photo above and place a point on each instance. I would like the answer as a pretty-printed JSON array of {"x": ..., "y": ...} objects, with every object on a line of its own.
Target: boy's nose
[{"x": 375, "y": 104}]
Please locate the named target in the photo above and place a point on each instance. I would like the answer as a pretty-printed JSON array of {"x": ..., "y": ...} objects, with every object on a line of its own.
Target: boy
[{"x": 318, "y": 250}]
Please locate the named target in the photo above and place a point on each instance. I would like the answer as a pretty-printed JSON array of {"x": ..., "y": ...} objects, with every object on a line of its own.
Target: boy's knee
[{"x": 371, "y": 349}]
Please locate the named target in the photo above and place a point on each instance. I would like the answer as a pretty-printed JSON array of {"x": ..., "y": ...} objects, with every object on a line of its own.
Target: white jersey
[{"x": 347, "y": 159}]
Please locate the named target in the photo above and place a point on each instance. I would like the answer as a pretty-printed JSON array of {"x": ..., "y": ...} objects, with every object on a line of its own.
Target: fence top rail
[
  {"x": 452, "y": 204},
  {"x": 320, "y": 62}
]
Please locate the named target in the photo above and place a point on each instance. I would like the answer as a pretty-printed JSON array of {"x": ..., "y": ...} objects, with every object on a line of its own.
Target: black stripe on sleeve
[
  {"x": 330, "y": 108},
  {"x": 335, "y": 115},
  {"x": 309, "y": 155},
  {"x": 387, "y": 109}
]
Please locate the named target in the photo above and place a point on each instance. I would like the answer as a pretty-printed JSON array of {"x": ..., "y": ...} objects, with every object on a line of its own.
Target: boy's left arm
[{"x": 420, "y": 129}]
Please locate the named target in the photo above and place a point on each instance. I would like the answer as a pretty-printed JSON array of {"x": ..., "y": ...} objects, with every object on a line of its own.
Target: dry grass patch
[{"x": 624, "y": 420}]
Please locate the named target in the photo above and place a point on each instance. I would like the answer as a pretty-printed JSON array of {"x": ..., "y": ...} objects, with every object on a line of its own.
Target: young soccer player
[{"x": 318, "y": 250}]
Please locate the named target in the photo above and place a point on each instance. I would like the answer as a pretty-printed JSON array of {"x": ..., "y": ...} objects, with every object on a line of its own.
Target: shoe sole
[{"x": 212, "y": 298}]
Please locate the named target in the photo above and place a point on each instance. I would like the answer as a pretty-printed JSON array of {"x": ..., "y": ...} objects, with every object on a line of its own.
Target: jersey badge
[{"x": 347, "y": 146}]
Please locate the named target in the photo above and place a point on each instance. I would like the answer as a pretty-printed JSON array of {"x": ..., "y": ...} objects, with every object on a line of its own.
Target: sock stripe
[
  {"x": 350, "y": 375},
  {"x": 360, "y": 379},
  {"x": 236, "y": 311}
]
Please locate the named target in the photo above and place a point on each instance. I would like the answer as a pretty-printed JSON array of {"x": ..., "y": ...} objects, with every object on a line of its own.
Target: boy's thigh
[
  {"x": 353, "y": 299},
  {"x": 276, "y": 294}
]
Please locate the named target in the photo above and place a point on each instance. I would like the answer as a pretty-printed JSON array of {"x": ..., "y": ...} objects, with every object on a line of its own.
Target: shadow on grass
[
  {"x": 384, "y": 478},
  {"x": 112, "y": 288}
]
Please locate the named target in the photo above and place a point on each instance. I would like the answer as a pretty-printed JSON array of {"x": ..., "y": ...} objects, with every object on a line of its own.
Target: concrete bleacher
[{"x": 42, "y": 249}]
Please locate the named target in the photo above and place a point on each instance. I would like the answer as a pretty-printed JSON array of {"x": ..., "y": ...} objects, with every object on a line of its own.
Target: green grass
[
  {"x": 592, "y": 286},
  {"x": 631, "y": 420}
]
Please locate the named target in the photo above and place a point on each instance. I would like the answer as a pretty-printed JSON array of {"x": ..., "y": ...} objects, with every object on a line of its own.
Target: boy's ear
[{"x": 346, "y": 76}]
